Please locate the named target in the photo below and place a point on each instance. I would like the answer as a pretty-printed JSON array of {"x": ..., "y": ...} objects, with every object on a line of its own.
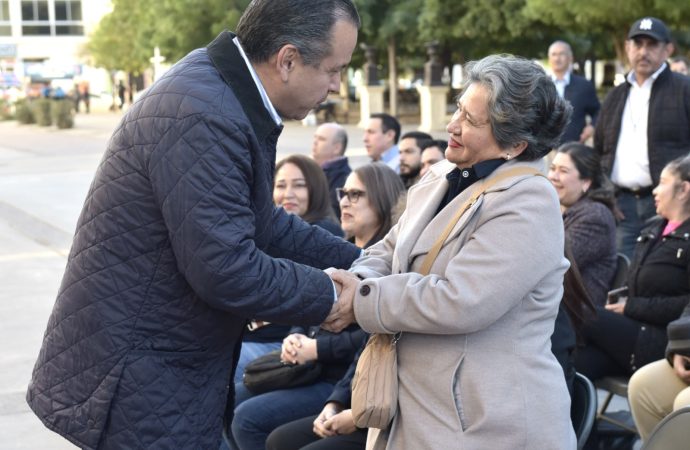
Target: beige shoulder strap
[{"x": 483, "y": 187}]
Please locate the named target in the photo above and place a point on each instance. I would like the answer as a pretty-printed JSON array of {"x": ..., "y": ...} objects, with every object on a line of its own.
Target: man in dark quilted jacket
[{"x": 178, "y": 243}]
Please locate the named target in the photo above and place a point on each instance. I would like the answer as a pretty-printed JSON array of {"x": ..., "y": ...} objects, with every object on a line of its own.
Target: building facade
[{"x": 44, "y": 41}]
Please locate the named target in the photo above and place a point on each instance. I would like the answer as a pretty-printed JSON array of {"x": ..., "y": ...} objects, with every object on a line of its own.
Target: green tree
[
  {"x": 120, "y": 40},
  {"x": 391, "y": 24},
  {"x": 183, "y": 25},
  {"x": 125, "y": 38}
]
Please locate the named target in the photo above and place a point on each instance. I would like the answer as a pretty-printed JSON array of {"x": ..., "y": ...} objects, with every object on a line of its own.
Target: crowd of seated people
[
  {"x": 663, "y": 386},
  {"x": 300, "y": 188},
  {"x": 366, "y": 202},
  {"x": 630, "y": 331}
]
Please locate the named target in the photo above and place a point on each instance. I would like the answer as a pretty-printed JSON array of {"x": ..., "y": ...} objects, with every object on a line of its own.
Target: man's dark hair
[
  {"x": 388, "y": 122},
  {"x": 440, "y": 143},
  {"x": 419, "y": 136},
  {"x": 267, "y": 25}
]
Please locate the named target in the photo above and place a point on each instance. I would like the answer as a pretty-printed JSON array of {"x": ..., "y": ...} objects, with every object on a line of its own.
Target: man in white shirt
[
  {"x": 644, "y": 123},
  {"x": 381, "y": 140}
]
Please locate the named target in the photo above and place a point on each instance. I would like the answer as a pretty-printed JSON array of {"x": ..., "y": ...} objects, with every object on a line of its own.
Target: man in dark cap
[{"x": 644, "y": 123}]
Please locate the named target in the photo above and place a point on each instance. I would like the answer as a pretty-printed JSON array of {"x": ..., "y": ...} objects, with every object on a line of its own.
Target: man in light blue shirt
[{"x": 381, "y": 140}]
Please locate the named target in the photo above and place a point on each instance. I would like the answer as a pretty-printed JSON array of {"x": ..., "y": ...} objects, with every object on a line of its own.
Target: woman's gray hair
[
  {"x": 523, "y": 103},
  {"x": 267, "y": 25}
]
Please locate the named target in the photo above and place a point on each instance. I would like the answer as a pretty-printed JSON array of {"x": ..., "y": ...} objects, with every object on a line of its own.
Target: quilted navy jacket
[{"x": 177, "y": 244}]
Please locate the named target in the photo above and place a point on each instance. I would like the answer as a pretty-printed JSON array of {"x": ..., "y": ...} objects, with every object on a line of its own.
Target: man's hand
[
  {"x": 320, "y": 429},
  {"x": 342, "y": 313},
  {"x": 338, "y": 286}
]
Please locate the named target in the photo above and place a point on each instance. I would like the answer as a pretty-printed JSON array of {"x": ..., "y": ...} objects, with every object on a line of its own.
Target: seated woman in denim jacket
[{"x": 367, "y": 201}]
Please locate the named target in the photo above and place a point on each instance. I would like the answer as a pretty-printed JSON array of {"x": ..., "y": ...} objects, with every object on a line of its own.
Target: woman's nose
[{"x": 453, "y": 126}]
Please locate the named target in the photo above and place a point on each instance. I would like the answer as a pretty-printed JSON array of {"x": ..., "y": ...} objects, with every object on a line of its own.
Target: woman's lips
[{"x": 453, "y": 143}]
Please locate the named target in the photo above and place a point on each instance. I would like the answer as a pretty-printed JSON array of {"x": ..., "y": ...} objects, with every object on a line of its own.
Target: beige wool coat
[{"x": 475, "y": 364}]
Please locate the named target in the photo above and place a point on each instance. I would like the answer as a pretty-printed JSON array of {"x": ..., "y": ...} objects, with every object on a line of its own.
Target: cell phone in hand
[{"x": 615, "y": 295}]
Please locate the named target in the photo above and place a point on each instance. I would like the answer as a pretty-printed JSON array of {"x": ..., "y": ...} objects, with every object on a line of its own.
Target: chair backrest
[
  {"x": 672, "y": 433},
  {"x": 621, "y": 276},
  {"x": 583, "y": 408}
]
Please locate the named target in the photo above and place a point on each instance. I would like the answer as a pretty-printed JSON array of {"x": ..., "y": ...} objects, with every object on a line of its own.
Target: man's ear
[
  {"x": 391, "y": 135},
  {"x": 286, "y": 59},
  {"x": 685, "y": 189}
]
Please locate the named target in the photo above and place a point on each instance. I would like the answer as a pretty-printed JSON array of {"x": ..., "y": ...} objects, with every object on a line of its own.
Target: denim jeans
[
  {"x": 257, "y": 416},
  {"x": 636, "y": 211},
  {"x": 251, "y": 351}
]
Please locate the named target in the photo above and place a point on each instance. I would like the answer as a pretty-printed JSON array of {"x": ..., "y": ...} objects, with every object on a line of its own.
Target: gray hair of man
[
  {"x": 524, "y": 105},
  {"x": 563, "y": 43},
  {"x": 267, "y": 25}
]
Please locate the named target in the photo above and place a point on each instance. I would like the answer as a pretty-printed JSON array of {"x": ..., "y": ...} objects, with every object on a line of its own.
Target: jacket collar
[
  {"x": 232, "y": 68},
  {"x": 422, "y": 228},
  {"x": 661, "y": 73}
]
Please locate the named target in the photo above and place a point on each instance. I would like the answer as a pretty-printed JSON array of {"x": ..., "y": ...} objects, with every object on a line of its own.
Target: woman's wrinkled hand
[
  {"x": 342, "y": 423},
  {"x": 298, "y": 349},
  {"x": 320, "y": 429}
]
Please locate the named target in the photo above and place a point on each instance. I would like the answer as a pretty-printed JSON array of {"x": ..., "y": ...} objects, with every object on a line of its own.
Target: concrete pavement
[{"x": 44, "y": 176}]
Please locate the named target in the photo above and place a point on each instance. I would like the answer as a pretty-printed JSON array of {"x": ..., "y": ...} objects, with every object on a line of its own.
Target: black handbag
[{"x": 268, "y": 373}]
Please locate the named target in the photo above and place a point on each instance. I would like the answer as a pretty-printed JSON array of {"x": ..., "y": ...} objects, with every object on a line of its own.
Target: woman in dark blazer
[{"x": 587, "y": 202}]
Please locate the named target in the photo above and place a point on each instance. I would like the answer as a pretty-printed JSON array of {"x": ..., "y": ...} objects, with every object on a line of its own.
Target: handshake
[{"x": 342, "y": 314}]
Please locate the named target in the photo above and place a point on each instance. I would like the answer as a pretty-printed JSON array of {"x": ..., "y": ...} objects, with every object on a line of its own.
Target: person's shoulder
[
  {"x": 653, "y": 223},
  {"x": 592, "y": 210},
  {"x": 578, "y": 79},
  {"x": 329, "y": 226}
]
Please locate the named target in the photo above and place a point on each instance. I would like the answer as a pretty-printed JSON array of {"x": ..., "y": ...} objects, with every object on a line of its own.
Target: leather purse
[
  {"x": 268, "y": 373},
  {"x": 375, "y": 383}
]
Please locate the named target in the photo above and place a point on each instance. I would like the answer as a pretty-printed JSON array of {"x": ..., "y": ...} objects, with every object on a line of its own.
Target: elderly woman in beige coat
[{"x": 475, "y": 366}]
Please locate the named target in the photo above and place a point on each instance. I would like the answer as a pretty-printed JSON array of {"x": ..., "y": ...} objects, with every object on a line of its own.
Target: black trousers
[
  {"x": 609, "y": 346},
  {"x": 299, "y": 435}
]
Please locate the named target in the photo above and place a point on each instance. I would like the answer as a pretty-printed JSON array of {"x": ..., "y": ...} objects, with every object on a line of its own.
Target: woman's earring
[{"x": 507, "y": 157}]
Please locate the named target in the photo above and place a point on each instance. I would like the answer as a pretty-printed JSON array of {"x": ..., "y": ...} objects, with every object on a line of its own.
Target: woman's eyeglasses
[{"x": 352, "y": 195}]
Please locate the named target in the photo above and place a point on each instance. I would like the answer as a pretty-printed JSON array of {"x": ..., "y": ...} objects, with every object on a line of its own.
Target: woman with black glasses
[{"x": 367, "y": 201}]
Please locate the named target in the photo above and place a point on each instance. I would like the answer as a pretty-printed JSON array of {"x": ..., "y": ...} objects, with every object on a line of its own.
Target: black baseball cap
[{"x": 652, "y": 27}]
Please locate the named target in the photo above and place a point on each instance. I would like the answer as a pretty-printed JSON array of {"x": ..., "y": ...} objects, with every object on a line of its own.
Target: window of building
[
  {"x": 35, "y": 19},
  {"x": 65, "y": 21},
  {"x": 68, "y": 19},
  {"x": 5, "y": 25}
]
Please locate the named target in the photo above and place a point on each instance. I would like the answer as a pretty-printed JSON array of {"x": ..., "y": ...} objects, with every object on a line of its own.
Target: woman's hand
[
  {"x": 680, "y": 363},
  {"x": 619, "y": 307},
  {"x": 298, "y": 349},
  {"x": 320, "y": 429},
  {"x": 342, "y": 423}
]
